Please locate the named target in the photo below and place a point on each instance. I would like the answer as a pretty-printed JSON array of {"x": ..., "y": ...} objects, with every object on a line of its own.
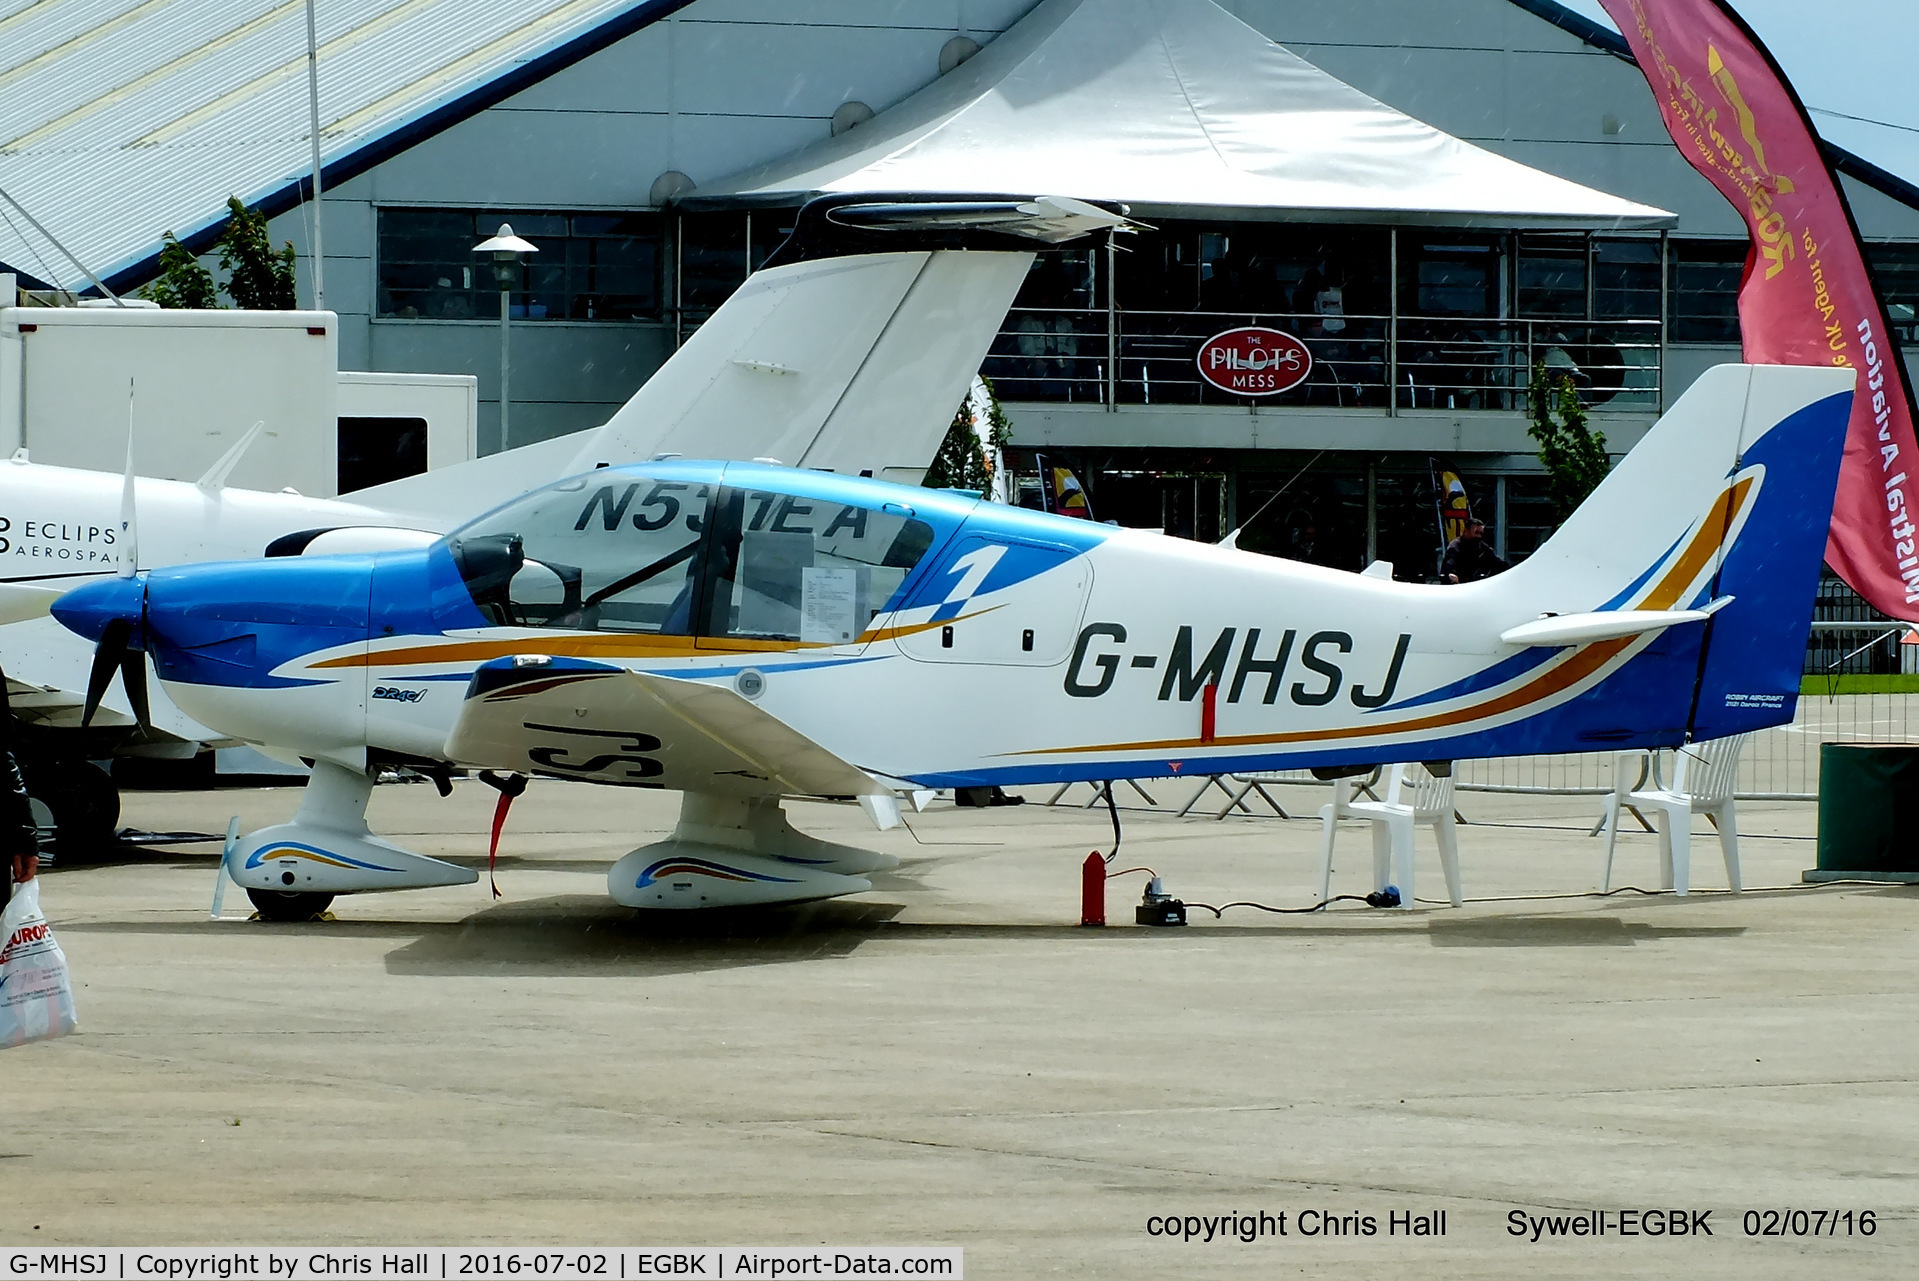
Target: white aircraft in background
[
  {"x": 745, "y": 633},
  {"x": 846, "y": 352}
]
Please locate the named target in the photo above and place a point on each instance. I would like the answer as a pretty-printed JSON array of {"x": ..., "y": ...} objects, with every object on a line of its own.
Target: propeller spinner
[{"x": 113, "y": 612}]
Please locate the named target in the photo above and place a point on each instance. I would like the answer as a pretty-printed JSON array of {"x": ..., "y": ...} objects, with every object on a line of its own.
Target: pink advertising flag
[{"x": 1806, "y": 298}]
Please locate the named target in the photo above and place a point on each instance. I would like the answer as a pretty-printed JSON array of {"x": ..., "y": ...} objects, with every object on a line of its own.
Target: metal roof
[
  {"x": 170, "y": 106},
  {"x": 122, "y": 119}
]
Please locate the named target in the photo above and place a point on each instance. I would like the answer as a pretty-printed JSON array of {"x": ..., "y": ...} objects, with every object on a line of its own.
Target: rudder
[{"x": 1754, "y": 647}]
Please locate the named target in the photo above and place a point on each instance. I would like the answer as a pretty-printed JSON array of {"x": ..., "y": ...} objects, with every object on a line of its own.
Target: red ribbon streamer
[
  {"x": 508, "y": 786},
  {"x": 500, "y": 807}
]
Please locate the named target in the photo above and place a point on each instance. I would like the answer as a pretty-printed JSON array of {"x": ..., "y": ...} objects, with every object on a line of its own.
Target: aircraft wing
[
  {"x": 569, "y": 718},
  {"x": 21, "y": 601}
]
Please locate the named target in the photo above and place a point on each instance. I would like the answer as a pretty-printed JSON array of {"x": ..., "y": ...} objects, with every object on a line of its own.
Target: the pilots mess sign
[{"x": 1254, "y": 361}]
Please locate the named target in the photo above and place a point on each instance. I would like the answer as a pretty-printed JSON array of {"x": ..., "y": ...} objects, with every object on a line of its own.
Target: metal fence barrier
[{"x": 1779, "y": 764}]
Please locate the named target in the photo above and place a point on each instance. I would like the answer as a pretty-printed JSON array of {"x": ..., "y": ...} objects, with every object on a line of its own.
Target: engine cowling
[{"x": 350, "y": 538}]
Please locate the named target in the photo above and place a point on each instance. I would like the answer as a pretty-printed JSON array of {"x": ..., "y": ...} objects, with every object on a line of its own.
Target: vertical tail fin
[
  {"x": 849, "y": 353},
  {"x": 850, "y": 364},
  {"x": 844, "y": 364},
  {"x": 1727, "y": 500}
]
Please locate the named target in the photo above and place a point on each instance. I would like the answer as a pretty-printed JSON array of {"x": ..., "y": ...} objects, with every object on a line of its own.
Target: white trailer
[{"x": 199, "y": 380}]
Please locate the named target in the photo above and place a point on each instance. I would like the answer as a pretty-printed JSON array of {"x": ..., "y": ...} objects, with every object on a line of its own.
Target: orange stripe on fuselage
[
  {"x": 608, "y": 645},
  {"x": 1664, "y": 594}
]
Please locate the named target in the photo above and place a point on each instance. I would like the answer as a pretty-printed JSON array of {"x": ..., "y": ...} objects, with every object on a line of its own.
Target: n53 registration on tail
[{"x": 744, "y": 633}]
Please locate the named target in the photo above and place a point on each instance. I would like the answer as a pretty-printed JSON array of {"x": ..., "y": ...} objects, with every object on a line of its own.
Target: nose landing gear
[{"x": 288, "y": 905}]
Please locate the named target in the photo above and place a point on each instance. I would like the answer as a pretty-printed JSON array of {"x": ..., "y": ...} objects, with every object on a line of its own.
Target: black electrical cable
[
  {"x": 1112, "y": 809},
  {"x": 1634, "y": 889},
  {"x": 1370, "y": 900},
  {"x": 1380, "y": 900}
]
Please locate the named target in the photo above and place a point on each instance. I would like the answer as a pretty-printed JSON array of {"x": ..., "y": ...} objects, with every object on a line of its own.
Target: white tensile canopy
[{"x": 1169, "y": 106}]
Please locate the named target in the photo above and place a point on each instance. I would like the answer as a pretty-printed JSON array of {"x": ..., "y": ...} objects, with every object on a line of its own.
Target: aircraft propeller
[{"x": 116, "y": 650}]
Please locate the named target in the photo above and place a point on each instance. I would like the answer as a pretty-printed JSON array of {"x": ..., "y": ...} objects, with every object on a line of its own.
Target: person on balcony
[{"x": 1468, "y": 558}]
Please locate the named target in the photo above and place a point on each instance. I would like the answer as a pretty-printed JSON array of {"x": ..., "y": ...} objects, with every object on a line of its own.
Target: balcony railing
[{"x": 1359, "y": 362}]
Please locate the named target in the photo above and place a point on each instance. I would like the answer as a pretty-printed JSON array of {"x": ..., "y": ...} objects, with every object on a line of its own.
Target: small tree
[
  {"x": 183, "y": 281},
  {"x": 999, "y": 429},
  {"x": 1575, "y": 457},
  {"x": 258, "y": 279},
  {"x": 960, "y": 463}
]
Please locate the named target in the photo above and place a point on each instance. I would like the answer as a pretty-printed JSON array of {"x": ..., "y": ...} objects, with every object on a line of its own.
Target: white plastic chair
[
  {"x": 1702, "y": 783},
  {"x": 1630, "y": 770},
  {"x": 1414, "y": 795}
]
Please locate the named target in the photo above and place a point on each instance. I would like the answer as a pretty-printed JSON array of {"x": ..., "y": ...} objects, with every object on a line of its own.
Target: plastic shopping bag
[{"x": 36, "y": 997}]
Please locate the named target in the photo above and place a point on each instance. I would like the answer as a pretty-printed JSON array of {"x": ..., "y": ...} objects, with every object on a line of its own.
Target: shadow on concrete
[
  {"x": 596, "y": 935},
  {"x": 118, "y": 855},
  {"x": 1563, "y": 931},
  {"x": 591, "y": 931},
  {"x": 236, "y": 925},
  {"x": 591, "y": 934}
]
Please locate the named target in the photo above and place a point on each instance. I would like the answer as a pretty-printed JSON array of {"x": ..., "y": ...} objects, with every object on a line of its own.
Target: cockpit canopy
[{"x": 675, "y": 551}]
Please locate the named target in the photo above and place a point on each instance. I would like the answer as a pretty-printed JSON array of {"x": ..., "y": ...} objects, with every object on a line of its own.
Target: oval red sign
[{"x": 1254, "y": 361}]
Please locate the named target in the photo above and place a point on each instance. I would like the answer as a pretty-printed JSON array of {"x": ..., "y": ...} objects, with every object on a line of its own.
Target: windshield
[
  {"x": 612, "y": 553},
  {"x": 615, "y": 552}
]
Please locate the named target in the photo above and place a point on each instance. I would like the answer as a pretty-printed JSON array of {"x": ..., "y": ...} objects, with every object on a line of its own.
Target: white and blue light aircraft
[
  {"x": 847, "y": 351},
  {"x": 745, "y": 633}
]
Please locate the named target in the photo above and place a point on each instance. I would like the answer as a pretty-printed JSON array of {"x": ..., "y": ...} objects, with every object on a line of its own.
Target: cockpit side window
[
  {"x": 607, "y": 552},
  {"x": 790, "y": 568}
]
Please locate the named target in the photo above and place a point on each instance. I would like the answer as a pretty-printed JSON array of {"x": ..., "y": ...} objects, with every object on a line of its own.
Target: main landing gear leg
[{"x": 293, "y": 870}]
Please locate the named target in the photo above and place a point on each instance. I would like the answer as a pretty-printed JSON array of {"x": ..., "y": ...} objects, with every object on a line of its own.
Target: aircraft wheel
[
  {"x": 84, "y": 803},
  {"x": 287, "y": 905}
]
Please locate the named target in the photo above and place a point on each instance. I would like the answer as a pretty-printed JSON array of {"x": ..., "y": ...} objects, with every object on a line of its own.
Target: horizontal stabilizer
[
  {"x": 1050, "y": 219},
  {"x": 573, "y": 719},
  {"x": 1612, "y": 624},
  {"x": 216, "y": 476}
]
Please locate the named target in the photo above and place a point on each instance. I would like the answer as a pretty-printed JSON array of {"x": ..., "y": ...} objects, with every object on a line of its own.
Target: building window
[
  {"x": 1895, "y": 269},
  {"x": 1625, "y": 279},
  {"x": 713, "y": 257},
  {"x": 1448, "y": 277},
  {"x": 1551, "y": 277},
  {"x": 600, "y": 266},
  {"x": 1068, "y": 278},
  {"x": 1705, "y": 290},
  {"x": 1531, "y": 517},
  {"x": 1254, "y": 269}
]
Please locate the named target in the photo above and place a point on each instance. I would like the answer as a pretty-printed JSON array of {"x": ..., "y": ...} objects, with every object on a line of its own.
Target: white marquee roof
[{"x": 1167, "y": 105}]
